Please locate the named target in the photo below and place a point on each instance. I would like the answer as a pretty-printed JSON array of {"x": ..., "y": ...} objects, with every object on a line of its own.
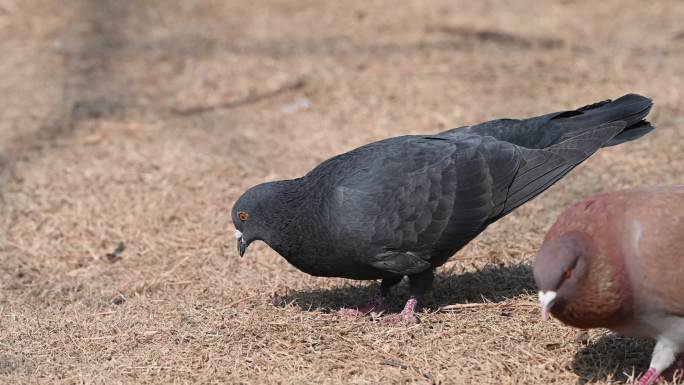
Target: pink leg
[
  {"x": 419, "y": 284},
  {"x": 406, "y": 315},
  {"x": 376, "y": 304},
  {"x": 649, "y": 377}
]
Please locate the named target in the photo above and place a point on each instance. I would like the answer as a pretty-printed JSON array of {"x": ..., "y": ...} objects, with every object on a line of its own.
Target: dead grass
[{"x": 142, "y": 122}]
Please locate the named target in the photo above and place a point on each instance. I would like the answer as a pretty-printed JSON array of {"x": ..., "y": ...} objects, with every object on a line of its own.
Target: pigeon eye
[
  {"x": 567, "y": 273},
  {"x": 242, "y": 215}
]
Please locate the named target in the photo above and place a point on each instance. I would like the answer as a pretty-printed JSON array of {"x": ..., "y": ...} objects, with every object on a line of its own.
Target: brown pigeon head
[
  {"x": 559, "y": 270},
  {"x": 581, "y": 283}
]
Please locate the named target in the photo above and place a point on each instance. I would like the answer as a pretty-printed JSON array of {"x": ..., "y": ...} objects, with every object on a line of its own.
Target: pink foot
[
  {"x": 407, "y": 315},
  {"x": 649, "y": 377},
  {"x": 377, "y": 304}
]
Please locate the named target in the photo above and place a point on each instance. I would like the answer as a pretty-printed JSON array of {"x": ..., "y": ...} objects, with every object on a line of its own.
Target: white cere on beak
[
  {"x": 546, "y": 299},
  {"x": 238, "y": 234}
]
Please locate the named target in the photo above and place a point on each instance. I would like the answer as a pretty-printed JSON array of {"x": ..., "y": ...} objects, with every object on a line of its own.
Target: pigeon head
[
  {"x": 559, "y": 269},
  {"x": 256, "y": 215}
]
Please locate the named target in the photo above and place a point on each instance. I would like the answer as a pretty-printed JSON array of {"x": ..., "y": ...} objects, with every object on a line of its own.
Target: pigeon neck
[
  {"x": 287, "y": 218},
  {"x": 299, "y": 235}
]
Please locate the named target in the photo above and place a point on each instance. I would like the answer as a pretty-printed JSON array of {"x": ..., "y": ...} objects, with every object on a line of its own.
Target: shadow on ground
[
  {"x": 612, "y": 356},
  {"x": 493, "y": 284}
]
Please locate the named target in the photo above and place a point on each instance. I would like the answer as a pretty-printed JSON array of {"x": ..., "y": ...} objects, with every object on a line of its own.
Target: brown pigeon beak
[{"x": 546, "y": 300}]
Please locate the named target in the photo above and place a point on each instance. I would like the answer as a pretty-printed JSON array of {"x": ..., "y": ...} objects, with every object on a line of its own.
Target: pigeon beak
[
  {"x": 546, "y": 301},
  {"x": 241, "y": 244}
]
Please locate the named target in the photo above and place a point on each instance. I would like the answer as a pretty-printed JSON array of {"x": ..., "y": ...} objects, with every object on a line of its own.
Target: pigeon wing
[
  {"x": 435, "y": 196},
  {"x": 541, "y": 168},
  {"x": 420, "y": 201}
]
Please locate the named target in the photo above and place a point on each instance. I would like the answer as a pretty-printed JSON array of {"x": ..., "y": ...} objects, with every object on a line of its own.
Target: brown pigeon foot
[
  {"x": 407, "y": 315},
  {"x": 377, "y": 304}
]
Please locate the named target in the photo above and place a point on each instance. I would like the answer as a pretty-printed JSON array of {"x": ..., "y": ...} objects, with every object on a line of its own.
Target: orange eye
[
  {"x": 567, "y": 273},
  {"x": 242, "y": 215}
]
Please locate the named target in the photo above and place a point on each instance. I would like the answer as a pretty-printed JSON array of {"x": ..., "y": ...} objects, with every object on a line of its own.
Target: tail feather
[
  {"x": 633, "y": 132},
  {"x": 630, "y": 109},
  {"x": 546, "y": 130}
]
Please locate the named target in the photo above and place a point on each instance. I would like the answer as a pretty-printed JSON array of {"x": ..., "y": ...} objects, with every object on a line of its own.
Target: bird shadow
[
  {"x": 493, "y": 283},
  {"x": 612, "y": 357}
]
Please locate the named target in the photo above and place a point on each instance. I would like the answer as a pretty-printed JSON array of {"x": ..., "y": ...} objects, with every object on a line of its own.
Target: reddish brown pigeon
[{"x": 616, "y": 261}]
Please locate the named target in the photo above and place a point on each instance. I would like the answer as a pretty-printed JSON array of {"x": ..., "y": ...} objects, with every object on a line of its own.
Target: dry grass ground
[{"x": 141, "y": 123}]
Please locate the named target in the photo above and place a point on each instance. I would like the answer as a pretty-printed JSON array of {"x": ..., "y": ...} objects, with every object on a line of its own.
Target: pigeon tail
[
  {"x": 630, "y": 109},
  {"x": 547, "y": 130},
  {"x": 630, "y": 133}
]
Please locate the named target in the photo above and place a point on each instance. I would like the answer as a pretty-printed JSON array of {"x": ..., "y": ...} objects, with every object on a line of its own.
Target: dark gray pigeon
[{"x": 402, "y": 206}]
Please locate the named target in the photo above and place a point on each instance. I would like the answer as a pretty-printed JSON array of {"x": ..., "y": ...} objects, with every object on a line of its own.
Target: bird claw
[
  {"x": 394, "y": 319},
  {"x": 349, "y": 312},
  {"x": 377, "y": 305},
  {"x": 649, "y": 377},
  {"x": 360, "y": 312},
  {"x": 407, "y": 315}
]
